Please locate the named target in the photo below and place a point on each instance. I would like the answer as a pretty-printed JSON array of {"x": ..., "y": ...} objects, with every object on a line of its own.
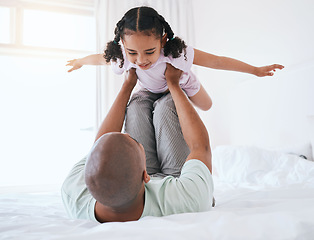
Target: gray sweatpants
[{"x": 152, "y": 120}]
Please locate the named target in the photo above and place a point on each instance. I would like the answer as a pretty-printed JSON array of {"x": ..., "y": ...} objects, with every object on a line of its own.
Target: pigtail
[
  {"x": 175, "y": 45},
  {"x": 113, "y": 49},
  {"x": 148, "y": 21}
]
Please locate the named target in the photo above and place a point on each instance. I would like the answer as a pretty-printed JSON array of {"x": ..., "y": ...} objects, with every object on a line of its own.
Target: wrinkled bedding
[{"x": 259, "y": 194}]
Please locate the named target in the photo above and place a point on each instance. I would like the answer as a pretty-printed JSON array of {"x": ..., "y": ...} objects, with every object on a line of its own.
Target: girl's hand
[
  {"x": 131, "y": 77},
  {"x": 267, "y": 70},
  {"x": 75, "y": 63}
]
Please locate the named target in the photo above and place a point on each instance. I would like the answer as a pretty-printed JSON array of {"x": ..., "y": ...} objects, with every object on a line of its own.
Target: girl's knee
[
  {"x": 206, "y": 106},
  {"x": 139, "y": 104},
  {"x": 164, "y": 108}
]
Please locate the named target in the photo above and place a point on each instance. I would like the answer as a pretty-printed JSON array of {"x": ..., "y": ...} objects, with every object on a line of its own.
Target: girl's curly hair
[{"x": 145, "y": 20}]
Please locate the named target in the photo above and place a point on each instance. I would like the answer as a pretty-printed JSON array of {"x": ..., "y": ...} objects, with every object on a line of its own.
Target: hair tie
[
  {"x": 114, "y": 41},
  {"x": 172, "y": 38}
]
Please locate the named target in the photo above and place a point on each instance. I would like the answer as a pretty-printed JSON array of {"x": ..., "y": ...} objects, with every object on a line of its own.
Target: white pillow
[
  {"x": 311, "y": 132},
  {"x": 248, "y": 165},
  {"x": 303, "y": 149}
]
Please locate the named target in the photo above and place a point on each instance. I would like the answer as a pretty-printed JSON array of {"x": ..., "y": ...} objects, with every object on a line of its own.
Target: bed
[
  {"x": 264, "y": 182},
  {"x": 260, "y": 194}
]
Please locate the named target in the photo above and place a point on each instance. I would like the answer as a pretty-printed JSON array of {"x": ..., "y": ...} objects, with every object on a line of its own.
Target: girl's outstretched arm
[
  {"x": 224, "y": 63},
  {"x": 94, "y": 59}
]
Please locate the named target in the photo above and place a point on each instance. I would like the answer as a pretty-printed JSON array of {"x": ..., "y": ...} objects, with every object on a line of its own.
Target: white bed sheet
[{"x": 259, "y": 195}]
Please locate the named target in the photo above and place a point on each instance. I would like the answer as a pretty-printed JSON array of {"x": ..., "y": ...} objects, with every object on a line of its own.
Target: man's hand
[
  {"x": 75, "y": 63},
  {"x": 131, "y": 78},
  {"x": 172, "y": 75},
  {"x": 267, "y": 70}
]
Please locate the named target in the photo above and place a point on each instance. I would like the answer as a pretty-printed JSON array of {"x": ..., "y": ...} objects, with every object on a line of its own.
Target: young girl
[{"x": 148, "y": 43}]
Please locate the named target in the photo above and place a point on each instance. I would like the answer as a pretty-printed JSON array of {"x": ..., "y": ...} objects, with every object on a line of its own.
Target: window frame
[{"x": 17, "y": 7}]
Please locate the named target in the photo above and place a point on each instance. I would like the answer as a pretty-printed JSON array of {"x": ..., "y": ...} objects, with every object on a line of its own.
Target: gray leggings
[{"x": 152, "y": 120}]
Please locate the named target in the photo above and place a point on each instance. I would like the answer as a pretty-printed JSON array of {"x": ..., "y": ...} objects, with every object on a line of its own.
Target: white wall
[{"x": 259, "y": 33}]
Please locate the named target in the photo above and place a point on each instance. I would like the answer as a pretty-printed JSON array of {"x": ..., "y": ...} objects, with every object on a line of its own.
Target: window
[
  {"x": 59, "y": 30},
  {"x": 47, "y": 114}
]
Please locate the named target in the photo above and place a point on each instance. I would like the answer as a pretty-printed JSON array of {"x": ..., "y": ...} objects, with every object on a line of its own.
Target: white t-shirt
[
  {"x": 153, "y": 79},
  {"x": 191, "y": 192}
]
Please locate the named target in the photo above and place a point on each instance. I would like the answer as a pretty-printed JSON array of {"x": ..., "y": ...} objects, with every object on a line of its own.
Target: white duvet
[{"x": 259, "y": 195}]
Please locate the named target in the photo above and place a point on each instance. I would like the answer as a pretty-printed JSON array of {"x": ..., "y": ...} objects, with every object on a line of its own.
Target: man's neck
[{"x": 133, "y": 213}]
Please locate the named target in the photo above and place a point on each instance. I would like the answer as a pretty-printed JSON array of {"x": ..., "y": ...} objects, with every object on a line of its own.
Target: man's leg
[
  {"x": 172, "y": 149},
  {"x": 139, "y": 124}
]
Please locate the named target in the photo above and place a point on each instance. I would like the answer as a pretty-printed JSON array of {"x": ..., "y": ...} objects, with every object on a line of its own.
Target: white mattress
[{"x": 259, "y": 195}]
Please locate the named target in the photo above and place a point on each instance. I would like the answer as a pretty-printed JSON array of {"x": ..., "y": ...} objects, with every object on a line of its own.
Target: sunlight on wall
[
  {"x": 47, "y": 114},
  {"x": 47, "y": 119}
]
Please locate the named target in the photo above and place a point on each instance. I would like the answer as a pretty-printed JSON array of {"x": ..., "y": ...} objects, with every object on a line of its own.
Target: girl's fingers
[{"x": 277, "y": 66}]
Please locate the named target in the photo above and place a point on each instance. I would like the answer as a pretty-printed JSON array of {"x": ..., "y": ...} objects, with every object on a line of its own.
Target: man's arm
[
  {"x": 225, "y": 63},
  {"x": 115, "y": 117},
  {"x": 193, "y": 129}
]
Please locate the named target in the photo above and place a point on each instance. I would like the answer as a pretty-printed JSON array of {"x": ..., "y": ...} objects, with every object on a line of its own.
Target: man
[{"x": 115, "y": 184}]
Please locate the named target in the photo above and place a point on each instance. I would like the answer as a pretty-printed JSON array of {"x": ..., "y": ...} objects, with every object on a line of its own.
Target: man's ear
[
  {"x": 164, "y": 39},
  {"x": 146, "y": 177}
]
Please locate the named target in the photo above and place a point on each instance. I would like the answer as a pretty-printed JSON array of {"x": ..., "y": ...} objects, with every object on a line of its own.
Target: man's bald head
[{"x": 114, "y": 170}]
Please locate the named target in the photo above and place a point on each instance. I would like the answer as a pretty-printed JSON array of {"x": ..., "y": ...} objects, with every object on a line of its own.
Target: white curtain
[{"x": 178, "y": 13}]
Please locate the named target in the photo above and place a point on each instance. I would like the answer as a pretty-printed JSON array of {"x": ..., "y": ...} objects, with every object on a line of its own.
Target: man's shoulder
[
  {"x": 194, "y": 189},
  {"x": 190, "y": 166},
  {"x": 195, "y": 164}
]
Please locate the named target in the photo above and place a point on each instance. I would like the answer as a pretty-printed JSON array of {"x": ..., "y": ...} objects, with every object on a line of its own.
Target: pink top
[{"x": 153, "y": 79}]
